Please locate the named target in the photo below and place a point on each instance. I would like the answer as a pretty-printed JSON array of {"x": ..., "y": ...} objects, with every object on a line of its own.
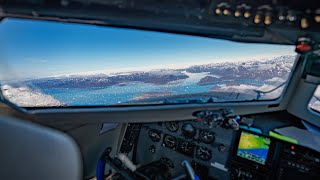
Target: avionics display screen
[{"x": 253, "y": 147}]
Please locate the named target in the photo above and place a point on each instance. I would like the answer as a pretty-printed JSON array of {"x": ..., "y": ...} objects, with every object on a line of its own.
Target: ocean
[{"x": 130, "y": 91}]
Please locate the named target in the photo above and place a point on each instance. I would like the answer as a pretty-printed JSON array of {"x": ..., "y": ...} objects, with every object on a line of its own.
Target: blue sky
[{"x": 39, "y": 48}]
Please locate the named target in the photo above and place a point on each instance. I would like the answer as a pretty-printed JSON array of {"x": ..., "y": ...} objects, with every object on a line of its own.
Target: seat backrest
[{"x": 31, "y": 151}]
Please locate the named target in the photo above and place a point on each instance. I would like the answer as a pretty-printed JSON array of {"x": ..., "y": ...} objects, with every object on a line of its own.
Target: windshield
[{"x": 58, "y": 64}]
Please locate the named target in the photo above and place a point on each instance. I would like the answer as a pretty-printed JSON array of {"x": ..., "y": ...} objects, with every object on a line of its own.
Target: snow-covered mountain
[
  {"x": 238, "y": 77},
  {"x": 102, "y": 80},
  {"x": 257, "y": 70},
  {"x": 278, "y": 67}
]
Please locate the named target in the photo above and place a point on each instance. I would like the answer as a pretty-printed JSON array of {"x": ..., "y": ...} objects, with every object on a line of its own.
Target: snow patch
[{"x": 23, "y": 96}]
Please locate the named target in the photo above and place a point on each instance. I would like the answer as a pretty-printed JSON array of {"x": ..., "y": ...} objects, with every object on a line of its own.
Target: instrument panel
[
  {"x": 205, "y": 148},
  {"x": 219, "y": 153}
]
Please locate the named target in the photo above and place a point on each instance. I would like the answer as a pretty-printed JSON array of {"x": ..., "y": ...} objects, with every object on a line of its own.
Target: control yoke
[{"x": 221, "y": 117}]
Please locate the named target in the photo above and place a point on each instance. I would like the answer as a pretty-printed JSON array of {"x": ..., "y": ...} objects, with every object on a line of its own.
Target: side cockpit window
[{"x": 314, "y": 103}]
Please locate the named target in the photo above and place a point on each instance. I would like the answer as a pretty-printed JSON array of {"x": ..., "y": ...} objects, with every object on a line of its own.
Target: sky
[{"x": 32, "y": 48}]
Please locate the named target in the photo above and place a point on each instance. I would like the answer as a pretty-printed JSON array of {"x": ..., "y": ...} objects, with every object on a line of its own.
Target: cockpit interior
[{"x": 190, "y": 89}]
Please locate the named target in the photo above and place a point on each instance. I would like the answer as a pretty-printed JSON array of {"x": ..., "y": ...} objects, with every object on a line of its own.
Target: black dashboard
[
  {"x": 217, "y": 152},
  {"x": 191, "y": 140}
]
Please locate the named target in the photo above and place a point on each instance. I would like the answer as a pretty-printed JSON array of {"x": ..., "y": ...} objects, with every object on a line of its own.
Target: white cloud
[
  {"x": 236, "y": 88},
  {"x": 276, "y": 79}
]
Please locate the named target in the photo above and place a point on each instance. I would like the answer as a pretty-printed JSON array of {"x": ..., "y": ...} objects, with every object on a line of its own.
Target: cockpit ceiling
[{"x": 269, "y": 21}]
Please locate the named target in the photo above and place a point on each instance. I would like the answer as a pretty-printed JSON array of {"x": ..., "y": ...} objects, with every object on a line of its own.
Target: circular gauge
[
  {"x": 206, "y": 136},
  {"x": 167, "y": 161},
  {"x": 203, "y": 153},
  {"x": 186, "y": 148},
  {"x": 169, "y": 141},
  {"x": 154, "y": 135},
  {"x": 172, "y": 126},
  {"x": 188, "y": 130}
]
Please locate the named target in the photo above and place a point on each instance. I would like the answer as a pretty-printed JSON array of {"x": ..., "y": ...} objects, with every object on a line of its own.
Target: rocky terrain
[
  {"x": 250, "y": 70},
  {"x": 278, "y": 67},
  {"x": 234, "y": 77},
  {"x": 103, "y": 80}
]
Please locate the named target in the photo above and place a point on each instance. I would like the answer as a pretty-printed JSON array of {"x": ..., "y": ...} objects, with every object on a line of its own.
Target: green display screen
[{"x": 253, "y": 147}]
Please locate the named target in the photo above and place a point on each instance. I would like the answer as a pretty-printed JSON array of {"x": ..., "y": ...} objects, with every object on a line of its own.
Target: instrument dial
[
  {"x": 172, "y": 126},
  {"x": 169, "y": 141},
  {"x": 167, "y": 161},
  {"x": 188, "y": 130},
  {"x": 203, "y": 153},
  {"x": 206, "y": 136},
  {"x": 186, "y": 148},
  {"x": 154, "y": 135}
]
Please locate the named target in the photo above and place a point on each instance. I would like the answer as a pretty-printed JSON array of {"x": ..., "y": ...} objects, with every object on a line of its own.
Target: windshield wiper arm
[{"x": 259, "y": 92}]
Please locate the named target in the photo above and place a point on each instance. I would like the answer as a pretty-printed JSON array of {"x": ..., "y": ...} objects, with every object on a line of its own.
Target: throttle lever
[{"x": 192, "y": 175}]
